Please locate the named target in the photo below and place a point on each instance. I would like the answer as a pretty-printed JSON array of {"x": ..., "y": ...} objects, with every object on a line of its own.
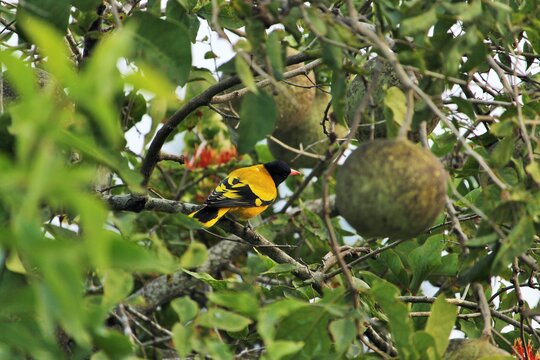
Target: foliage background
[{"x": 90, "y": 270}]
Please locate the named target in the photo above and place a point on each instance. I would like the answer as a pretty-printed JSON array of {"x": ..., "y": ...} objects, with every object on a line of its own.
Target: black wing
[{"x": 232, "y": 192}]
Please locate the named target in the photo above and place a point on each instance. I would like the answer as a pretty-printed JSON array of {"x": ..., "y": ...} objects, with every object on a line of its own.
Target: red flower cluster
[
  {"x": 206, "y": 156},
  {"x": 520, "y": 350}
]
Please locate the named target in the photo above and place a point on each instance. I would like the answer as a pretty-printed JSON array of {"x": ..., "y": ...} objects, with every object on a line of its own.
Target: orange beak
[{"x": 294, "y": 172}]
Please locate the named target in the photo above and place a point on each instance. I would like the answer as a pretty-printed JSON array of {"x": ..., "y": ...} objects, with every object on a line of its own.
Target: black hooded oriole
[{"x": 244, "y": 193}]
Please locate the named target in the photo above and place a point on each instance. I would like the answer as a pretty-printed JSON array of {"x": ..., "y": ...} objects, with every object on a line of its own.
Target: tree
[{"x": 98, "y": 258}]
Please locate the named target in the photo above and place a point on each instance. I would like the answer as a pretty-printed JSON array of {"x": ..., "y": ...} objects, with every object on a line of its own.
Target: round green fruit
[
  {"x": 302, "y": 131},
  {"x": 375, "y": 118},
  {"x": 295, "y": 98},
  {"x": 390, "y": 188},
  {"x": 472, "y": 349}
]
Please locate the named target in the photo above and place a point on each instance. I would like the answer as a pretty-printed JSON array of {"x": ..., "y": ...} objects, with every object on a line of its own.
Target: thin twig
[
  {"x": 476, "y": 210},
  {"x": 316, "y": 172},
  {"x": 513, "y": 91},
  {"x": 295, "y": 150},
  {"x": 74, "y": 47},
  {"x": 460, "y": 316},
  {"x": 124, "y": 321},
  {"x": 484, "y": 310},
  {"x": 506, "y": 288},
  {"x": 236, "y": 94},
  {"x": 456, "y": 226},
  {"x": 482, "y": 102},
  {"x": 469, "y": 305},
  {"x": 147, "y": 320},
  {"x": 114, "y": 11},
  {"x": 406, "y": 125},
  {"x": 181, "y": 159},
  {"x": 521, "y": 302},
  {"x": 8, "y": 25},
  {"x": 362, "y": 258}
]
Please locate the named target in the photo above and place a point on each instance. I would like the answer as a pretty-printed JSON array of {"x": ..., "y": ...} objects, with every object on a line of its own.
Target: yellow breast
[{"x": 245, "y": 213}]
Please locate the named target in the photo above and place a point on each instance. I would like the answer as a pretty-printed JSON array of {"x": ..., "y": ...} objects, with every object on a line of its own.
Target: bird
[{"x": 244, "y": 193}]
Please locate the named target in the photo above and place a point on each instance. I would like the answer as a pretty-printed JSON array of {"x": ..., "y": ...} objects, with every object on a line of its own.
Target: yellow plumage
[{"x": 244, "y": 193}]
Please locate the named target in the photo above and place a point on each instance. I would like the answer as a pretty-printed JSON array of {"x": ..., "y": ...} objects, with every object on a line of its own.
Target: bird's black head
[{"x": 279, "y": 171}]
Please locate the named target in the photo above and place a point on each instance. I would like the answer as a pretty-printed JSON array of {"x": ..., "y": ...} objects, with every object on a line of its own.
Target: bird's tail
[{"x": 208, "y": 215}]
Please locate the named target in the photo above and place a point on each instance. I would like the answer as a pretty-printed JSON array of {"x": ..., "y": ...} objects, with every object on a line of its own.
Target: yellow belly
[{"x": 242, "y": 213}]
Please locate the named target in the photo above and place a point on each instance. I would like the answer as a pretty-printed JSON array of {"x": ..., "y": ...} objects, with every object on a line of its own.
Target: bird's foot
[{"x": 248, "y": 227}]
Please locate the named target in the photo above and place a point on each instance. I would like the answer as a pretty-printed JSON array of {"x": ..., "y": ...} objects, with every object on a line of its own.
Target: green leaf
[
  {"x": 533, "y": 169},
  {"x": 186, "y": 222},
  {"x": 258, "y": 116},
  {"x": 244, "y": 73},
  {"x": 270, "y": 315},
  {"x": 419, "y": 23},
  {"x": 309, "y": 325},
  {"x": 502, "y": 129},
  {"x": 443, "y": 144},
  {"x": 281, "y": 348},
  {"x": 218, "y": 350},
  {"x": 223, "y": 319},
  {"x": 280, "y": 268},
  {"x": 89, "y": 148},
  {"x": 396, "y": 101},
  {"x": 502, "y": 152},
  {"x": 332, "y": 54},
  {"x": 392, "y": 260},
  {"x": 518, "y": 241},
  {"x": 338, "y": 90},
  {"x": 195, "y": 255},
  {"x": 208, "y": 279},
  {"x": 464, "y": 106},
  {"x": 534, "y": 38},
  {"x": 424, "y": 345},
  {"x": 242, "y": 302},
  {"x": 471, "y": 12},
  {"x": 128, "y": 256},
  {"x": 398, "y": 315},
  {"x": 182, "y": 339},
  {"x": 440, "y": 323},
  {"x": 186, "y": 309},
  {"x": 86, "y": 5},
  {"x": 483, "y": 240},
  {"x": 59, "y": 232},
  {"x": 114, "y": 344},
  {"x": 60, "y": 290},
  {"x": 425, "y": 259},
  {"x": 117, "y": 285},
  {"x": 275, "y": 54},
  {"x": 263, "y": 153},
  {"x": 51, "y": 45},
  {"x": 314, "y": 17},
  {"x": 227, "y": 17},
  {"x": 101, "y": 78},
  {"x": 164, "y": 45},
  {"x": 344, "y": 332},
  {"x": 53, "y": 12},
  {"x": 146, "y": 78},
  {"x": 21, "y": 76}
]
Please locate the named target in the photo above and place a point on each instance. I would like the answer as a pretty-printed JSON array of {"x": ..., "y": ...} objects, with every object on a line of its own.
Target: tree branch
[
  {"x": 484, "y": 310},
  {"x": 168, "y": 287},
  {"x": 468, "y": 305},
  {"x": 139, "y": 203},
  {"x": 202, "y": 99}
]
